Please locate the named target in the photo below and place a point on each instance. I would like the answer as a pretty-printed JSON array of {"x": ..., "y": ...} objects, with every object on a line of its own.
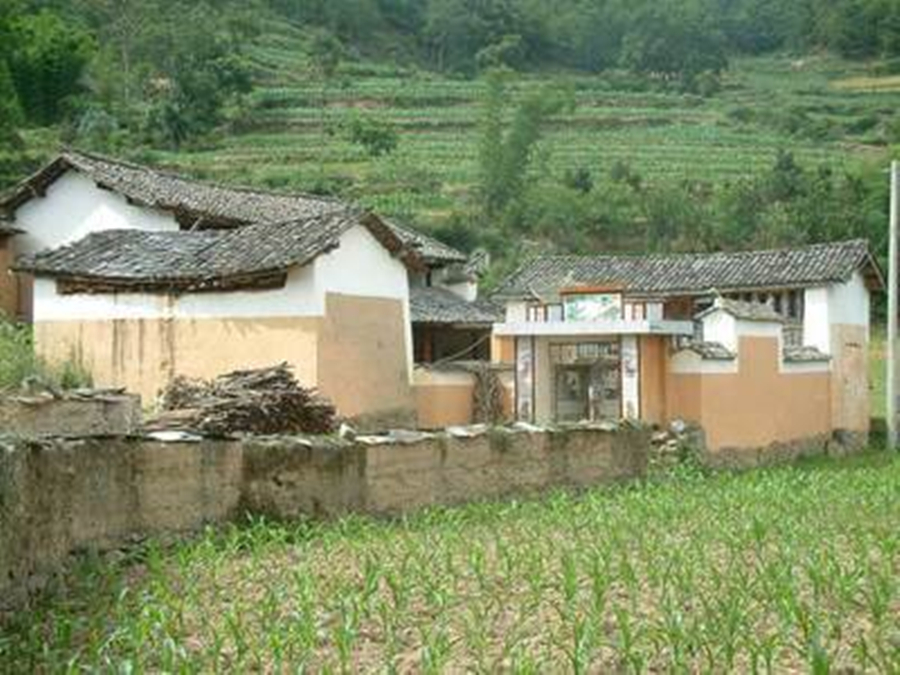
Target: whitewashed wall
[
  {"x": 74, "y": 207},
  {"x": 360, "y": 267},
  {"x": 721, "y": 327},
  {"x": 838, "y": 304},
  {"x": 516, "y": 312}
]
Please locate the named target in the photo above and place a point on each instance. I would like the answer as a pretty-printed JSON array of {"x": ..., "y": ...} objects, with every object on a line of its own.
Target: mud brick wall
[
  {"x": 73, "y": 417},
  {"x": 58, "y": 496}
]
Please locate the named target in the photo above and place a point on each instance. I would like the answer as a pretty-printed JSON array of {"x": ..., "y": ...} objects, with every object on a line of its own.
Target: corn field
[{"x": 792, "y": 569}]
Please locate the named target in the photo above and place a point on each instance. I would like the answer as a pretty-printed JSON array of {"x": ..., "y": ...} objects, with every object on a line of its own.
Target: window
[{"x": 537, "y": 313}]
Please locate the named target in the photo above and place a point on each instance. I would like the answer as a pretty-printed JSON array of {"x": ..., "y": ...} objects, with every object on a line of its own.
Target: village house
[
  {"x": 759, "y": 347},
  {"x": 141, "y": 276}
]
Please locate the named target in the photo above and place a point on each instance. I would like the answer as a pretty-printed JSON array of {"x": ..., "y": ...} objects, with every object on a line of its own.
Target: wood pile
[
  {"x": 262, "y": 401},
  {"x": 488, "y": 396}
]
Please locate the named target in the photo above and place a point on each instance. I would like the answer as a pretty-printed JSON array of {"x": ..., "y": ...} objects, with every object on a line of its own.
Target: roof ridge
[
  {"x": 689, "y": 254},
  {"x": 167, "y": 173}
]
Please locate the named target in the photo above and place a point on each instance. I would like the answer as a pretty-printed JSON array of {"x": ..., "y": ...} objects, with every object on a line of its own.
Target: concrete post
[{"x": 891, "y": 411}]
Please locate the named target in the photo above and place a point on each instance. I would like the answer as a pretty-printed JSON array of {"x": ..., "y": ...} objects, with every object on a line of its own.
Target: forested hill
[
  {"x": 667, "y": 36},
  {"x": 517, "y": 125}
]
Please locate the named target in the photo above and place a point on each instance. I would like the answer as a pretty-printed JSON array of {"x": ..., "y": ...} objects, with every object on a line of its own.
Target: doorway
[
  {"x": 572, "y": 393},
  {"x": 587, "y": 381}
]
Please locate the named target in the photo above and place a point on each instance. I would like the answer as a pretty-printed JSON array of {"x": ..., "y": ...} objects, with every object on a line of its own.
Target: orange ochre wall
[
  {"x": 356, "y": 355},
  {"x": 362, "y": 356},
  {"x": 654, "y": 350},
  {"x": 758, "y": 405},
  {"x": 503, "y": 349},
  {"x": 143, "y": 355},
  {"x": 440, "y": 405},
  {"x": 446, "y": 398}
]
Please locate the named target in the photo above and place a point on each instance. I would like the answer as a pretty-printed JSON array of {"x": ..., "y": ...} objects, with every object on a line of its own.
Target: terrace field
[
  {"x": 293, "y": 133},
  {"x": 794, "y": 569}
]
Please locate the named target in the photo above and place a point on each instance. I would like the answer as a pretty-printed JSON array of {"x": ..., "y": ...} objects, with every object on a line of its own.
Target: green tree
[
  {"x": 673, "y": 42},
  {"x": 47, "y": 63},
  {"x": 505, "y": 154},
  {"x": 377, "y": 137}
]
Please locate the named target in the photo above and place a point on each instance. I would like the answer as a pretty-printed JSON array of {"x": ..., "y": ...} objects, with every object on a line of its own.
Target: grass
[
  {"x": 20, "y": 367},
  {"x": 788, "y": 569}
]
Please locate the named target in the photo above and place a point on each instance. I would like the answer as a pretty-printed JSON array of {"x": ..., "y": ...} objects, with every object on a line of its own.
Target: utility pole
[{"x": 893, "y": 273}]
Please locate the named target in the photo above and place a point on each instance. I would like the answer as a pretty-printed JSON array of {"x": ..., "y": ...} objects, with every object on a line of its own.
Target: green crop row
[{"x": 781, "y": 570}]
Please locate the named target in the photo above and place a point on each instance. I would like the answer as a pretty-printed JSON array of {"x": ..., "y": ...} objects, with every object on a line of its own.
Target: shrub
[
  {"x": 377, "y": 137},
  {"x": 17, "y": 360},
  {"x": 19, "y": 365}
]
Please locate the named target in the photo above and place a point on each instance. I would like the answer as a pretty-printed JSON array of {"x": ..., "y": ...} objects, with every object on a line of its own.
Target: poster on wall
[
  {"x": 524, "y": 379},
  {"x": 630, "y": 382},
  {"x": 593, "y": 307}
]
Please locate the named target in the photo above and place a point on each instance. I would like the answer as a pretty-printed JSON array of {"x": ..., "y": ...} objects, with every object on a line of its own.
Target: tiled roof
[
  {"x": 199, "y": 259},
  {"x": 431, "y": 250},
  {"x": 747, "y": 311},
  {"x": 196, "y": 203},
  {"x": 7, "y": 229},
  {"x": 804, "y": 355},
  {"x": 437, "y": 305},
  {"x": 674, "y": 274},
  {"x": 202, "y": 205},
  {"x": 712, "y": 351}
]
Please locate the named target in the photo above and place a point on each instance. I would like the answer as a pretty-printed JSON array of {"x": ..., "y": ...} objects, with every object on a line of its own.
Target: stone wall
[{"x": 60, "y": 496}]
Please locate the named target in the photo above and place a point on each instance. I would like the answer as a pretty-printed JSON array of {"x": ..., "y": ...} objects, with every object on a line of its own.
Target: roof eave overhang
[
  {"x": 411, "y": 258},
  {"x": 72, "y": 284}
]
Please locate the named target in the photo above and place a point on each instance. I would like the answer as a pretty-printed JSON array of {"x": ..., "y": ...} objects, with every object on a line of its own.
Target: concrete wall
[{"x": 63, "y": 496}]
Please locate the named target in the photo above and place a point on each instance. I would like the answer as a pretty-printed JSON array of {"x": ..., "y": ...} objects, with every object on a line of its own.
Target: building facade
[
  {"x": 757, "y": 347},
  {"x": 140, "y": 276}
]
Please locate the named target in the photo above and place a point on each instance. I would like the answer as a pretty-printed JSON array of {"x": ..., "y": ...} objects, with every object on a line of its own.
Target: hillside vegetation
[{"x": 522, "y": 136}]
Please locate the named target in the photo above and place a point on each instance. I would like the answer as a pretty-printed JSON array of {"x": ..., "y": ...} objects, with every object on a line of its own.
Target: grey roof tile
[
  {"x": 437, "y": 305},
  {"x": 197, "y": 204},
  {"x": 431, "y": 250},
  {"x": 201, "y": 205},
  {"x": 747, "y": 311},
  {"x": 694, "y": 273},
  {"x": 804, "y": 355},
  {"x": 711, "y": 351},
  {"x": 195, "y": 259}
]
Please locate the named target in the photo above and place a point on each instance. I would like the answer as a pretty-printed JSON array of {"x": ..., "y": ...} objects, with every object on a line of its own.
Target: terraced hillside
[{"x": 295, "y": 132}]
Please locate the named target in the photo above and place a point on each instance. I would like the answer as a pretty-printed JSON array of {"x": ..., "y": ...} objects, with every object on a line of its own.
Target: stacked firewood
[
  {"x": 488, "y": 396},
  {"x": 262, "y": 401}
]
